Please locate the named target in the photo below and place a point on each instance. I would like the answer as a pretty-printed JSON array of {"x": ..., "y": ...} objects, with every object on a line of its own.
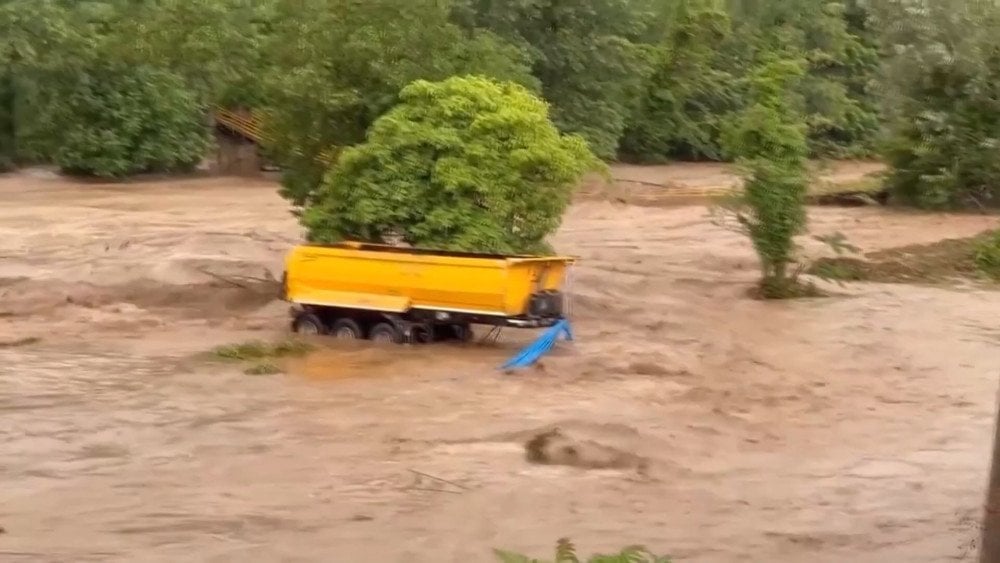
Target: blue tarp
[{"x": 533, "y": 352}]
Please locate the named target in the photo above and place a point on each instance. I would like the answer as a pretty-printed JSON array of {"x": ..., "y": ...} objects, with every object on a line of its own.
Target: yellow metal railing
[
  {"x": 245, "y": 125},
  {"x": 249, "y": 126}
]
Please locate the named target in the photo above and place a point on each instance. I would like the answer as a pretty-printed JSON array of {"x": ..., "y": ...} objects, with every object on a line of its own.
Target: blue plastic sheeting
[{"x": 533, "y": 352}]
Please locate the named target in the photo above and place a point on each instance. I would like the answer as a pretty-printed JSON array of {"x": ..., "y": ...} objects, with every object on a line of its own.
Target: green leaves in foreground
[
  {"x": 465, "y": 164},
  {"x": 566, "y": 553}
]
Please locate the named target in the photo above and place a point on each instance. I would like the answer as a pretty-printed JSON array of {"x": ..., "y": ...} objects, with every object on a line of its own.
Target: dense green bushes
[
  {"x": 689, "y": 94},
  {"x": 339, "y": 64},
  {"x": 650, "y": 79},
  {"x": 587, "y": 54},
  {"x": 943, "y": 103},
  {"x": 113, "y": 120}
]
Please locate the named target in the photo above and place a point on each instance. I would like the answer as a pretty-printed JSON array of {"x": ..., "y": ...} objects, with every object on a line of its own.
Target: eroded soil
[{"x": 702, "y": 423}]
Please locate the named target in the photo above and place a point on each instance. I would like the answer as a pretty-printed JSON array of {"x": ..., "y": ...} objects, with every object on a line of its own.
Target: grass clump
[
  {"x": 566, "y": 553},
  {"x": 263, "y": 368},
  {"x": 986, "y": 253},
  {"x": 257, "y": 350},
  {"x": 262, "y": 356},
  {"x": 947, "y": 260}
]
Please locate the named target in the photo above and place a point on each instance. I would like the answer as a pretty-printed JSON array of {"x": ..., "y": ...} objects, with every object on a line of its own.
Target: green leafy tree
[
  {"x": 337, "y": 65},
  {"x": 587, "y": 54},
  {"x": 36, "y": 36},
  {"x": 690, "y": 91},
  {"x": 59, "y": 50},
  {"x": 114, "y": 120},
  {"x": 942, "y": 98},
  {"x": 465, "y": 164},
  {"x": 214, "y": 45},
  {"x": 840, "y": 106},
  {"x": 769, "y": 140}
]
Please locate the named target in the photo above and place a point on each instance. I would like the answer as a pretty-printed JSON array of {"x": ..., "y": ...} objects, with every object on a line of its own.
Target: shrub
[
  {"x": 769, "y": 141},
  {"x": 987, "y": 255},
  {"x": 465, "y": 164},
  {"x": 112, "y": 120}
]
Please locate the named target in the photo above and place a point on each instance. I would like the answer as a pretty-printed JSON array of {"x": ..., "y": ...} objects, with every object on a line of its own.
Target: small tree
[
  {"x": 111, "y": 121},
  {"x": 769, "y": 140},
  {"x": 464, "y": 164}
]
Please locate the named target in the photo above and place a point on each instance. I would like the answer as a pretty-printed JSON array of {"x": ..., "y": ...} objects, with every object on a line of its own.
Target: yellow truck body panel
[{"x": 393, "y": 279}]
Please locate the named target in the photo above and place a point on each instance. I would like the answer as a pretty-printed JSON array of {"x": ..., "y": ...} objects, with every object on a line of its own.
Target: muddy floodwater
[{"x": 701, "y": 423}]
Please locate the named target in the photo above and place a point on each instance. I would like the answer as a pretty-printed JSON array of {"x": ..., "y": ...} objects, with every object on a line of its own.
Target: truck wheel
[
  {"x": 385, "y": 333},
  {"x": 347, "y": 329},
  {"x": 421, "y": 334},
  {"x": 463, "y": 332},
  {"x": 308, "y": 323}
]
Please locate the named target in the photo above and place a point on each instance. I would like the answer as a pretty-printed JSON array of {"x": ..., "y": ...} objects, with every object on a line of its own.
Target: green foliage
[
  {"x": 464, "y": 164},
  {"x": 769, "y": 141},
  {"x": 566, "y": 553},
  {"x": 708, "y": 50},
  {"x": 215, "y": 45},
  {"x": 690, "y": 91},
  {"x": 8, "y": 147},
  {"x": 112, "y": 120},
  {"x": 943, "y": 103},
  {"x": 841, "y": 63},
  {"x": 256, "y": 350},
  {"x": 587, "y": 54},
  {"x": 987, "y": 255},
  {"x": 86, "y": 74},
  {"x": 337, "y": 65}
]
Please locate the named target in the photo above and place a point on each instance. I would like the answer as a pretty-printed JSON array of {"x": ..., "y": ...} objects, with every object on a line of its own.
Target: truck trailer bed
[{"x": 369, "y": 284}]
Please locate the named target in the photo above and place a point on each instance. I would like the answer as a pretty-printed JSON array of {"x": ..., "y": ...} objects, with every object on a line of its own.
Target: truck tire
[
  {"x": 308, "y": 323},
  {"x": 421, "y": 334},
  {"x": 463, "y": 332},
  {"x": 385, "y": 333},
  {"x": 347, "y": 329}
]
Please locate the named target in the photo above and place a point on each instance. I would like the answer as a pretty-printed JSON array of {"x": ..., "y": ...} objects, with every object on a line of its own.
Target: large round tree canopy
[{"x": 464, "y": 164}]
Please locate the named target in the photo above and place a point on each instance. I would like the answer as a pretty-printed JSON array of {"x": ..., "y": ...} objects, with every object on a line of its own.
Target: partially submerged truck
[{"x": 392, "y": 294}]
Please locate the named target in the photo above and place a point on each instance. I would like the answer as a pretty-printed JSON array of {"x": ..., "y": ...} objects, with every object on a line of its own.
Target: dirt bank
[{"x": 718, "y": 428}]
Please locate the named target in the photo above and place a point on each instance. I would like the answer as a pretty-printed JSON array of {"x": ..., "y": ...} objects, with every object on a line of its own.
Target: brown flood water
[{"x": 706, "y": 425}]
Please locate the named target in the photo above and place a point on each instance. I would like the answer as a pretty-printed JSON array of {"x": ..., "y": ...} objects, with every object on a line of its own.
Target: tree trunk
[{"x": 989, "y": 549}]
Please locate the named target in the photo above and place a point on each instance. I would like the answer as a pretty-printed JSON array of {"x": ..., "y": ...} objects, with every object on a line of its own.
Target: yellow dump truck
[{"x": 390, "y": 294}]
